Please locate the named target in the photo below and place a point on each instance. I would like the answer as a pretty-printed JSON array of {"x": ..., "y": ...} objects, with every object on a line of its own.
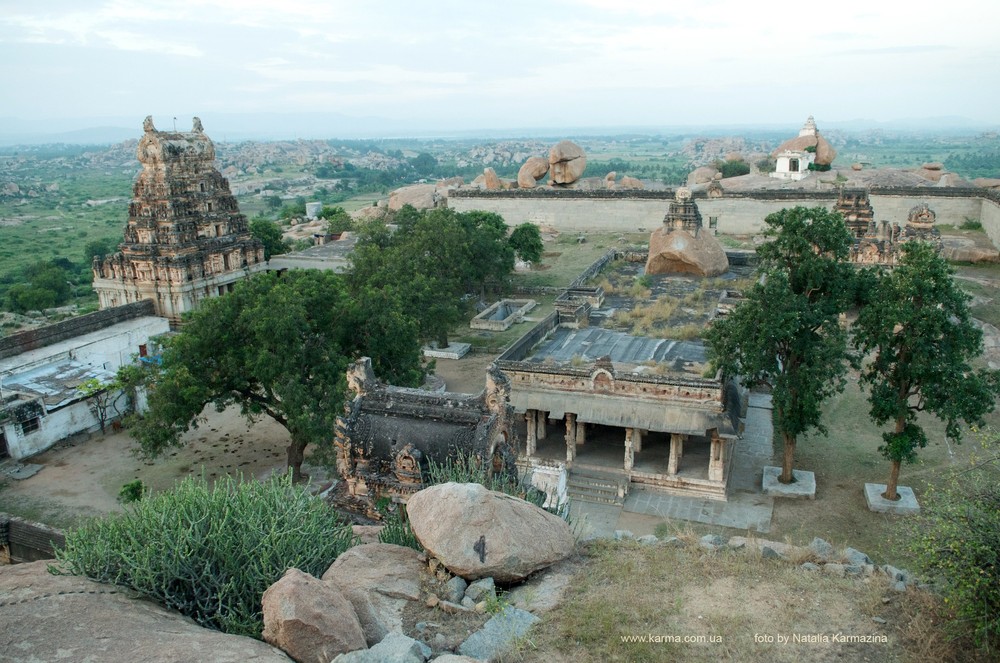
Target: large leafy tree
[
  {"x": 526, "y": 240},
  {"x": 276, "y": 346},
  {"x": 786, "y": 334},
  {"x": 269, "y": 234},
  {"x": 432, "y": 260},
  {"x": 916, "y": 325}
]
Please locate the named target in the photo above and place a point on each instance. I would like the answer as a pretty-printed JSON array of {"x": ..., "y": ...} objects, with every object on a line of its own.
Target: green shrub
[
  {"x": 468, "y": 468},
  {"x": 396, "y": 528},
  {"x": 210, "y": 553},
  {"x": 971, "y": 224},
  {"x": 133, "y": 491},
  {"x": 957, "y": 543}
]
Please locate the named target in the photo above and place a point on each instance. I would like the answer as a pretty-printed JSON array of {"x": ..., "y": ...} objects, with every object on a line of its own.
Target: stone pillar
[
  {"x": 717, "y": 456},
  {"x": 676, "y": 451},
  {"x": 581, "y": 433},
  {"x": 531, "y": 416},
  {"x": 629, "y": 449},
  {"x": 541, "y": 417},
  {"x": 637, "y": 439},
  {"x": 570, "y": 437}
]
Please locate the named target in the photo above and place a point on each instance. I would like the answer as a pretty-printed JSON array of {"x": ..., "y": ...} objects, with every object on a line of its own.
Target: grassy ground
[
  {"x": 565, "y": 257},
  {"x": 738, "y": 604}
]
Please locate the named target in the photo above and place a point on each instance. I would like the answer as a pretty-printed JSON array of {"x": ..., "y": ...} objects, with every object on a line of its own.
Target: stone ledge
[
  {"x": 906, "y": 505},
  {"x": 803, "y": 488},
  {"x": 453, "y": 351}
]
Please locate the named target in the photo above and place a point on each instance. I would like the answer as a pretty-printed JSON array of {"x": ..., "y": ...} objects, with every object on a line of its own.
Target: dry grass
[{"x": 740, "y": 602}]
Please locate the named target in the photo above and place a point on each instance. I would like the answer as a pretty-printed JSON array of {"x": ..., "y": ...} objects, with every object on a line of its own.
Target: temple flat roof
[{"x": 625, "y": 350}]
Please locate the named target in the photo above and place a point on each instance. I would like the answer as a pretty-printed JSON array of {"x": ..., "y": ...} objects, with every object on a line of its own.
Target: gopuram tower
[{"x": 185, "y": 239}]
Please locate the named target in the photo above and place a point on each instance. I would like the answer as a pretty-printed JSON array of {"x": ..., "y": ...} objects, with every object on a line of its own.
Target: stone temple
[{"x": 185, "y": 239}]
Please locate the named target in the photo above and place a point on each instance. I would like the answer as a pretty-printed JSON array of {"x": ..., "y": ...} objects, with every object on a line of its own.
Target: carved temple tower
[{"x": 185, "y": 239}]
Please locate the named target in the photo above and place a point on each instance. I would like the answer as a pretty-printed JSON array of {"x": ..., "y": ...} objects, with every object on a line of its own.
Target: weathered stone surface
[
  {"x": 624, "y": 535},
  {"x": 394, "y": 648},
  {"x": 809, "y": 566},
  {"x": 768, "y": 552},
  {"x": 64, "y": 618},
  {"x": 987, "y": 182},
  {"x": 310, "y": 619},
  {"x": 367, "y": 533},
  {"x": 378, "y": 579},
  {"x": 648, "y": 540},
  {"x": 567, "y": 162},
  {"x": 476, "y": 532},
  {"x": 454, "y": 589},
  {"x": 456, "y": 658},
  {"x": 420, "y": 196},
  {"x": 491, "y": 180},
  {"x": 711, "y": 542},
  {"x": 822, "y": 548},
  {"x": 498, "y": 634},
  {"x": 544, "y": 591},
  {"x": 680, "y": 252},
  {"x": 482, "y": 589},
  {"x": 702, "y": 175},
  {"x": 533, "y": 170},
  {"x": 856, "y": 557},
  {"x": 628, "y": 182}
]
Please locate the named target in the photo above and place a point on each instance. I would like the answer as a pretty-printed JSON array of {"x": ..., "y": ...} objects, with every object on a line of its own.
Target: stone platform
[
  {"x": 802, "y": 488},
  {"x": 906, "y": 505},
  {"x": 453, "y": 351}
]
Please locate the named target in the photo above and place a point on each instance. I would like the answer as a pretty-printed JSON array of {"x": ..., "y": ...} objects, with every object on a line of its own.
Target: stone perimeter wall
[
  {"x": 735, "y": 213},
  {"x": 24, "y": 541},
  {"x": 33, "y": 339}
]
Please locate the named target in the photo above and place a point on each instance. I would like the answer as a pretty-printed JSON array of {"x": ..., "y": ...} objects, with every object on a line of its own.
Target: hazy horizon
[{"x": 401, "y": 69}]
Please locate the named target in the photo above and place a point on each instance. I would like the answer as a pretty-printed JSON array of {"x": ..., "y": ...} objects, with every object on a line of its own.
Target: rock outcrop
[
  {"x": 681, "y": 245},
  {"x": 378, "y": 579},
  {"x": 702, "y": 175},
  {"x": 629, "y": 182},
  {"x": 534, "y": 169},
  {"x": 47, "y": 618},
  {"x": 421, "y": 196},
  {"x": 310, "y": 619},
  {"x": 476, "y": 532},
  {"x": 491, "y": 180},
  {"x": 567, "y": 162}
]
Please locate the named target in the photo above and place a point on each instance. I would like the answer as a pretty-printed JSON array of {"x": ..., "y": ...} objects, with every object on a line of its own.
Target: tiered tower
[{"x": 185, "y": 239}]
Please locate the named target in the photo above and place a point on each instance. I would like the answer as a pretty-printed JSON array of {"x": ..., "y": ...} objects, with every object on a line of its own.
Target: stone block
[
  {"x": 770, "y": 553},
  {"x": 624, "y": 535},
  {"x": 481, "y": 590},
  {"x": 803, "y": 488},
  {"x": 822, "y": 549},
  {"x": 393, "y": 647},
  {"x": 856, "y": 557},
  {"x": 711, "y": 542},
  {"x": 498, "y": 634},
  {"x": 648, "y": 540},
  {"x": 453, "y": 351},
  {"x": 809, "y": 566},
  {"x": 906, "y": 505},
  {"x": 674, "y": 541},
  {"x": 454, "y": 589},
  {"x": 835, "y": 569}
]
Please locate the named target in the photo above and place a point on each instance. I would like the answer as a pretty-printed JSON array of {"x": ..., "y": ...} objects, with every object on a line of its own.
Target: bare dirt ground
[{"x": 81, "y": 478}]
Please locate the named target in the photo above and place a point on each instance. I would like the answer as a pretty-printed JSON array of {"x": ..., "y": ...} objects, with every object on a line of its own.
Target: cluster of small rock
[
  {"x": 850, "y": 562},
  {"x": 474, "y": 538}
]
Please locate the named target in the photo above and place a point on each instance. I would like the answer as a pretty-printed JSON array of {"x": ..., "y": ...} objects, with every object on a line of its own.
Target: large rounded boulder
[
  {"x": 534, "y": 169},
  {"x": 567, "y": 162},
  {"x": 478, "y": 533}
]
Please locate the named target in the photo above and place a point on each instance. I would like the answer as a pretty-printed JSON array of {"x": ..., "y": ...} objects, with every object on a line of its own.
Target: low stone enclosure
[
  {"x": 24, "y": 541},
  {"x": 502, "y": 315}
]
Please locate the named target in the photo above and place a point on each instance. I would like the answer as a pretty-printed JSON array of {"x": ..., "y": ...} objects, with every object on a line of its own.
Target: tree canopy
[
  {"x": 269, "y": 234},
  {"x": 432, "y": 261},
  {"x": 276, "y": 346},
  {"x": 915, "y": 323},
  {"x": 785, "y": 334},
  {"x": 526, "y": 240}
]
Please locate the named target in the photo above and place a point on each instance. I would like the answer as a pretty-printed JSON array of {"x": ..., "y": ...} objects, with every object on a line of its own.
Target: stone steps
[{"x": 597, "y": 487}]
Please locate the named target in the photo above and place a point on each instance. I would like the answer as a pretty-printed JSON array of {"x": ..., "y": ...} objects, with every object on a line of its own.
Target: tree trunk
[
  {"x": 890, "y": 488},
  {"x": 442, "y": 340},
  {"x": 787, "y": 459},
  {"x": 296, "y": 454}
]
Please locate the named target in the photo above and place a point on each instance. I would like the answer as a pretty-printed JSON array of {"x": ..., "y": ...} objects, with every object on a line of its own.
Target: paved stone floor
[{"x": 747, "y": 509}]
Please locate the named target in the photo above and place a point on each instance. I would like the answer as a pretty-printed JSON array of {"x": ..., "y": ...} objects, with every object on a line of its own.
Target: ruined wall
[
  {"x": 733, "y": 214},
  {"x": 990, "y": 217},
  {"x": 16, "y": 344},
  {"x": 25, "y": 541}
]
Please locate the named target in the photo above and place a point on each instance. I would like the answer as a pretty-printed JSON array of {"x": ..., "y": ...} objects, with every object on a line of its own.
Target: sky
[{"x": 466, "y": 65}]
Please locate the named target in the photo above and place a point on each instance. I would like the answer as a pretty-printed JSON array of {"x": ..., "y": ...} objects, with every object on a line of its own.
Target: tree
[
  {"x": 526, "y": 240},
  {"x": 103, "y": 397},
  {"x": 338, "y": 220},
  {"x": 98, "y": 248},
  {"x": 424, "y": 163},
  {"x": 786, "y": 334},
  {"x": 275, "y": 346},
  {"x": 269, "y": 234},
  {"x": 916, "y": 324}
]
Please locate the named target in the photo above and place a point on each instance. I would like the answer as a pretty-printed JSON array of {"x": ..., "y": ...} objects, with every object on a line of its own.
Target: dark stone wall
[
  {"x": 28, "y": 541},
  {"x": 32, "y": 339}
]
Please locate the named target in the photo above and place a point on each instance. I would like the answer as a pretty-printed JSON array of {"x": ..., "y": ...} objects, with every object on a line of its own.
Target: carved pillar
[
  {"x": 676, "y": 451},
  {"x": 629, "y": 449},
  {"x": 570, "y": 437},
  {"x": 637, "y": 439},
  {"x": 581, "y": 433},
  {"x": 531, "y": 443},
  {"x": 717, "y": 456},
  {"x": 541, "y": 417}
]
